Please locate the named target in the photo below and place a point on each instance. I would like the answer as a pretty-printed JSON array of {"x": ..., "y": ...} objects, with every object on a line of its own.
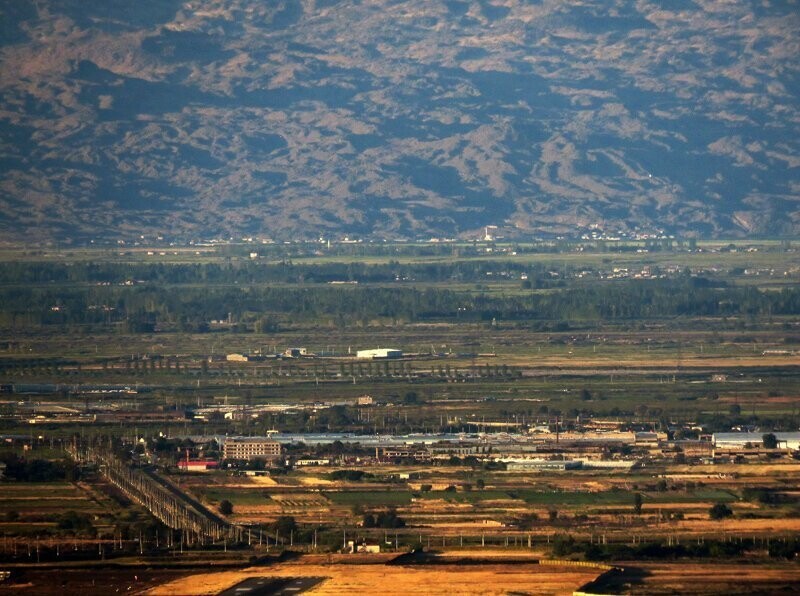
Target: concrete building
[
  {"x": 312, "y": 462},
  {"x": 409, "y": 452},
  {"x": 786, "y": 440},
  {"x": 361, "y": 547},
  {"x": 197, "y": 465},
  {"x": 295, "y": 352},
  {"x": 521, "y": 465},
  {"x": 251, "y": 448},
  {"x": 242, "y": 358},
  {"x": 459, "y": 449},
  {"x": 379, "y": 353}
]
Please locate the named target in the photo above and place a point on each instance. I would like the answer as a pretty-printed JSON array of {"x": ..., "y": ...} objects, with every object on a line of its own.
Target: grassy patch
[
  {"x": 237, "y": 497},
  {"x": 473, "y": 496},
  {"x": 705, "y": 495},
  {"x": 612, "y": 497},
  {"x": 370, "y": 498}
]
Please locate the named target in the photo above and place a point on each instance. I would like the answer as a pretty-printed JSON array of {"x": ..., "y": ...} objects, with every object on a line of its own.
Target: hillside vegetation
[{"x": 295, "y": 118}]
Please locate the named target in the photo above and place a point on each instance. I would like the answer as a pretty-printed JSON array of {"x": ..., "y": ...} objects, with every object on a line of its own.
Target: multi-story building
[{"x": 251, "y": 448}]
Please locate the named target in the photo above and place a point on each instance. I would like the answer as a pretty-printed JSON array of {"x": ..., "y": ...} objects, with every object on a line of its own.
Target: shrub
[
  {"x": 770, "y": 441},
  {"x": 284, "y": 525},
  {"x": 225, "y": 507},
  {"x": 389, "y": 519},
  {"x": 76, "y": 522},
  {"x": 720, "y": 511},
  {"x": 350, "y": 475}
]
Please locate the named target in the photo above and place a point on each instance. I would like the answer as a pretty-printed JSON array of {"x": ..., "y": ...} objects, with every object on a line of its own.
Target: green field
[
  {"x": 576, "y": 498},
  {"x": 370, "y": 499},
  {"x": 236, "y": 496},
  {"x": 472, "y": 496},
  {"x": 707, "y": 495}
]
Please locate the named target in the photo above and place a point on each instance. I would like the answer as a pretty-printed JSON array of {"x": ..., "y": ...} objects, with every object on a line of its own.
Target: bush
[
  {"x": 770, "y": 441},
  {"x": 719, "y": 511},
  {"x": 76, "y": 522},
  {"x": 784, "y": 549},
  {"x": 527, "y": 521},
  {"x": 350, "y": 475},
  {"x": 389, "y": 519},
  {"x": 38, "y": 470},
  {"x": 225, "y": 507},
  {"x": 564, "y": 545},
  {"x": 284, "y": 525}
]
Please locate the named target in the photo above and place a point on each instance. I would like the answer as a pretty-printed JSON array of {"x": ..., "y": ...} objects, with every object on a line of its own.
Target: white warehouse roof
[
  {"x": 790, "y": 440},
  {"x": 380, "y": 353}
]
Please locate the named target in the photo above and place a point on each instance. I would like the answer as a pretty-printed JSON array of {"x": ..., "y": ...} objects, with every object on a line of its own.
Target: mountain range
[{"x": 398, "y": 118}]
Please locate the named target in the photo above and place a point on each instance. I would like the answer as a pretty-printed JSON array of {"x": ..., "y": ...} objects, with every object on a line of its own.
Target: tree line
[
  {"x": 255, "y": 272},
  {"x": 265, "y": 308}
]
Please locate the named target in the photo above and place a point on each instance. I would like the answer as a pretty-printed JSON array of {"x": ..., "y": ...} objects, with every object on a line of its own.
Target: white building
[
  {"x": 295, "y": 352},
  {"x": 786, "y": 440},
  {"x": 521, "y": 465},
  {"x": 251, "y": 448},
  {"x": 379, "y": 353}
]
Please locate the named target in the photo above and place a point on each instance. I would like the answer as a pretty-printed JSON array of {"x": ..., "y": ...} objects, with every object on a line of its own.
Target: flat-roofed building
[
  {"x": 379, "y": 353},
  {"x": 242, "y": 357},
  {"x": 251, "y": 448},
  {"x": 197, "y": 465},
  {"x": 519, "y": 465},
  {"x": 733, "y": 440},
  {"x": 295, "y": 352}
]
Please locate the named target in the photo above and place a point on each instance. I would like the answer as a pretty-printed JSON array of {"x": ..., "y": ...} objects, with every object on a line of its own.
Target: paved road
[{"x": 272, "y": 586}]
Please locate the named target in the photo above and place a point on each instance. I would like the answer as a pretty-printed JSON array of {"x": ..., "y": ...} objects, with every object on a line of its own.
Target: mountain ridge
[{"x": 398, "y": 119}]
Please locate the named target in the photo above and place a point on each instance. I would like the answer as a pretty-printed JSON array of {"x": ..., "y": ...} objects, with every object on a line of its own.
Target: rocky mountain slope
[{"x": 398, "y": 118}]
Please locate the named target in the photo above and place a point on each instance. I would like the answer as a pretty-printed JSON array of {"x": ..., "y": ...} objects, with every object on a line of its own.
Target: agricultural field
[
  {"x": 503, "y": 572},
  {"x": 34, "y": 508},
  {"x": 702, "y": 579},
  {"x": 522, "y": 509},
  {"x": 373, "y": 576},
  {"x": 126, "y": 352}
]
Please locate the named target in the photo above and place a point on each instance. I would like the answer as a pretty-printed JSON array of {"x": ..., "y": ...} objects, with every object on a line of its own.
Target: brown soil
[
  {"x": 86, "y": 582},
  {"x": 707, "y": 578},
  {"x": 444, "y": 580}
]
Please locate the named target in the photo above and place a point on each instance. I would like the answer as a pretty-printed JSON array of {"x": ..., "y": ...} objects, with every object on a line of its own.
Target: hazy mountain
[{"x": 295, "y": 118}]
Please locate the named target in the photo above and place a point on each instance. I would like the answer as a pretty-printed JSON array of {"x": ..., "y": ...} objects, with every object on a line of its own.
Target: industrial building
[
  {"x": 379, "y": 354},
  {"x": 786, "y": 440},
  {"x": 197, "y": 465},
  {"x": 295, "y": 352},
  {"x": 236, "y": 357},
  {"x": 521, "y": 465},
  {"x": 251, "y": 448}
]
